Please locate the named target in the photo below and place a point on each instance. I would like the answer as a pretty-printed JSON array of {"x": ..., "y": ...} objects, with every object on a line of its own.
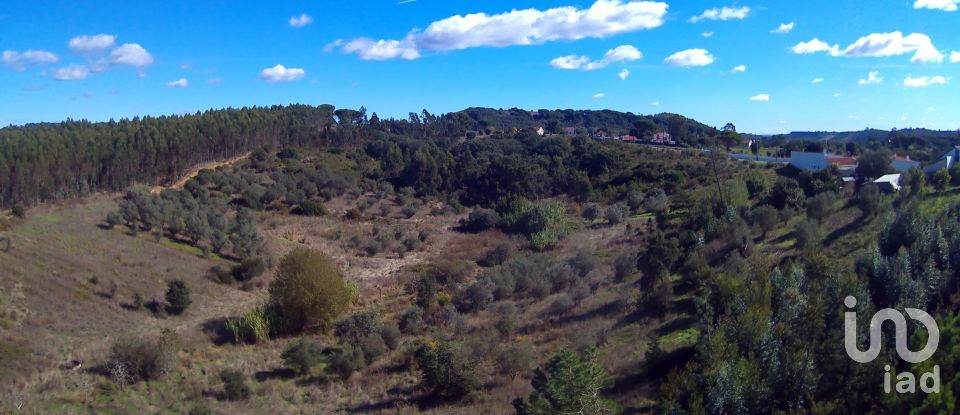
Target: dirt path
[{"x": 196, "y": 170}]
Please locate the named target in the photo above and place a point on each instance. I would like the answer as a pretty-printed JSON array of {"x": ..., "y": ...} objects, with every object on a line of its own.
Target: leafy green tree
[
  {"x": 873, "y": 164},
  {"x": 820, "y": 206},
  {"x": 309, "y": 291},
  {"x": 766, "y": 218},
  {"x": 868, "y": 199},
  {"x": 444, "y": 370},
  {"x": 178, "y": 296},
  {"x": 568, "y": 384},
  {"x": 658, "y": 258},
  {"x": 940, "y": 180}
]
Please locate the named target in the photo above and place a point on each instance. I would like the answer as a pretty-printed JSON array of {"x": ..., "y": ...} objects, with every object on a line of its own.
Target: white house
[
  {"x": 889, "y": 183},
  {"x": 540, "y": 131},
  {"x": 945, "y": 162},
  {"x": 808, "y": 161}
]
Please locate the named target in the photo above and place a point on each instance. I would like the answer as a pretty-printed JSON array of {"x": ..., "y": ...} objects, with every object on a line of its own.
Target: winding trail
[{"x": 196, "y": 170}]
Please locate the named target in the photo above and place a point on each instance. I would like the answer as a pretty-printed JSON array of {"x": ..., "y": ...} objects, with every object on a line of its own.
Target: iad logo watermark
[{"x": 906, "y": 381}]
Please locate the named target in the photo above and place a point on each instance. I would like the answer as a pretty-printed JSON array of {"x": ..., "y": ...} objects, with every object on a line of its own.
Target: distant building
[
  {"x": 808, "y": 161},
  {"x": 945, "y": 162},
  {"x": 601, "y": 134},
  {"x": 903, "y": 164},
  {"x": 628, "y": 138},
  {"x": 540, "y": 131},
  {"x": 662, "y": 137},
  {"x": 569, "y": 131},
  {"x": 888, "y": 183}
]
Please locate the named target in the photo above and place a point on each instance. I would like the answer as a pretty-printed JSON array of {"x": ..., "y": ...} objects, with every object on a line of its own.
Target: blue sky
[{"x": 114, "y": 59}]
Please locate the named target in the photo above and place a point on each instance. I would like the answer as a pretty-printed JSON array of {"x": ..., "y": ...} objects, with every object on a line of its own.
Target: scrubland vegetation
[{"x": 383, "y": 266}]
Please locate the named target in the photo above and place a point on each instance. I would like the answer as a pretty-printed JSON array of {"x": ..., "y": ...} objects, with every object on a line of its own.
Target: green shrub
[
  {"x": 411, "y": 322},
  {"x": 372, "y": 347},
  {"x": 496, "y": 256},
  {"x": 357, "y": 326},
  {"x": 590, "y": 212},
  {"x": 19, "y": 211},
  {"x": 343, "y": 361},
  {"x": 234, "y": 385},
  {"x": 310, "y": 208},
  {"x": 249, "y": 269},
  {"x": 309, "y": 291},
  {"x": 303, "y": 355},
  {"x": 178, "y": 296},
  {"x": 252, "y": 327},
  {"x": 480, "y": 220},
  {"x": 474, "y": 297},
  {"x": 624, "y": 265},
  {"x": 390, "y": 334},
  {"x": 446, "y": 373},
  {"x": 145, "y": 359}
]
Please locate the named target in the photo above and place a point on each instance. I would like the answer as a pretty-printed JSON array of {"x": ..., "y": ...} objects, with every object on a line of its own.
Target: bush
[
  {"x": 411, "y": 322},
  {"x": 234, "y": 385},
  {"x": 178, "y": 296},
  {"x": 820, "y": 206},
  {"x": 480, "y": 220},
  {"x": 583, "y": 262},
  {"x": 252, "y": 327},
  {"x": 372, "y": 347},
  {"x": 624, "y": 265},
  {"x": 357, "y": 326},
  {"x": 590, "y": 212},
  {"x": 410, "y": 210},
  {"x": 309, "y": 291},
  {"x": 560, "y": 306},
  {"x": 766, "y": 218},
  {"x": 145, "y": 359},
  {"x": 444, "y": 371},
  {"x": 515, "y": 359},
  {"x": 474, "y": 297},
  {"x": 310, "y": 208},
  {"x": 496, "y": 256},
  {"x": 114, "y": 219},
  {"x": 506, "y": 322},
  {"x": 615, "y": 214},
  {"x": 303, "y": 355},
  {"x": 249, "y": 269},
  {"x": 868, "y": 199},
  {"x": 343, "y": 361},
  {"x": 390, "y": 334},
  {"x": 568, "y": 384},
  {"x": 806, "y": 233},
  {"x": 19, "y": 211},
  {"x": 426, "y": 292}
]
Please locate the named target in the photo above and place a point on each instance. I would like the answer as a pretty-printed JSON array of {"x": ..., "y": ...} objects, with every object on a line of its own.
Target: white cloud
[
  {"x": 760, "y": 98},
  {"x": 624, "y": 74},
  {"x": 655, "y": 103},
  {"x": 623, "y": 53},
  {"x": 71, "y": 73},
  {"x": 88, "y": 43},
  {"x": 370, "y": 50},
  {"x": 837, "y": 95},
  {"x": 955, "y": 57},
  {"x": 816, "y": 81},
  {"x": 280, "y": 73},
  {"x": 301, "y": 20},
  {"x": 131, "y": 54},
  {"x": 739, "y": 68},
  {"x": 784, "y": 28},
  {"x": 872, "y": 78},
  {"x": 879, "y": 45},
  {"x": 813, "y": 46},
  {"x": 599, "y": 95},
  {"x": 690, "y": 57},
  {"x": 517, "y": 27},
  {"x": 19, "y": 61},
  {"x": 725, "y": 13},
  {"x": 945, "y": 5},
  {"x": 924, "y": 81},
  {"x": 707, "y": 34},
  {"x": 215, "y": 81},
  {"x": 179, "y": 83}
]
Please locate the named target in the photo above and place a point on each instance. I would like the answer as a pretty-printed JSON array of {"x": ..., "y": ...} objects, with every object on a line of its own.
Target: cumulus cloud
[
  {"x": 88, "y": 43},
  {"x": 707, "y": 34},
  {"x": 690, "y": 57},
  {"x": 724, "y": 13},
  {"x": 954, "y": 57},
  {"x": 655, "y": 103},
  {"x": 623, "y": 53},
  {"x": 945, "y": 5},
  {"x": 924, "y": 81},
  {"x": 872, "y": 78},
  {"x": 784, "y": 28},
  {"x": 131, "y": 54},
  {"x": 739, "y": 68},
  {"x": 300, "y": 21},
  {"x": 179, "y": 83},
  {"x": 20, "y": 60},
  {"x": 879, "y": 45},
  {"x": 599, "y": 95},
  {"x": 281, "y": 73},
  {"x": 816, "y": 81},
  {"x": 71, "y": 73},
  {"x": 517, "y": 27},
  {"x": 760, "y": 98},
  {"x": 624, "y": 74}
]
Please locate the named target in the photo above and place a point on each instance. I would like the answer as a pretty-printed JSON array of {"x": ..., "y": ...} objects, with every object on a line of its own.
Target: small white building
[
  {"x": 540, "y": 131},
  {"x": 889, "y": 183},
  {"x": 808, "y": 161}
]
